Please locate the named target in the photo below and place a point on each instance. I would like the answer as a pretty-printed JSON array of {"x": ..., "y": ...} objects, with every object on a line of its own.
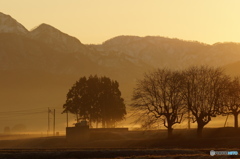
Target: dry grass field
[{"x": 132, "y": 144}]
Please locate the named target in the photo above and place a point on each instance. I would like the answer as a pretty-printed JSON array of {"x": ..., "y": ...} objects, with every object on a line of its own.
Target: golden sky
[{"x": 94, "y": 21}]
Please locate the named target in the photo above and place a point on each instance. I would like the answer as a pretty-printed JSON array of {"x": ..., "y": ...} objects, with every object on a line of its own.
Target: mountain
[
  {"x": 50, "y": 58},
  {"x": 64, "y": 43},
  {"x": 19, "y": 52},
  {"x": 10, "y": 25},
  {"x": 173, "y": 53},
  {"x": 56, "y": 39}
]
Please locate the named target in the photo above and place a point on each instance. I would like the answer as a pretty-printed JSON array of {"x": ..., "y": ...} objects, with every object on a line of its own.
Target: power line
[
  {"x": 20, "y": 114},
  {"x": 20, "y": 111}
]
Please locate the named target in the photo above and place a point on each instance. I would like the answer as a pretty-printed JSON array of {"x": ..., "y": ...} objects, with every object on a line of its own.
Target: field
[{"x": 133, "y": 144}]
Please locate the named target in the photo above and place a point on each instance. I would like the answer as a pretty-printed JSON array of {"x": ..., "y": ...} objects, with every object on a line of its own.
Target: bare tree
[
  {"x": 159, "y": 96},
  {"x": 202, "y": 91},
  {"x": 231, "y": 99}
]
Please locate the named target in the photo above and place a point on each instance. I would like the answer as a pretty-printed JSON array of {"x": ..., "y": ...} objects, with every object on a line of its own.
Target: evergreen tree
[{"x": 96, "y": 100}]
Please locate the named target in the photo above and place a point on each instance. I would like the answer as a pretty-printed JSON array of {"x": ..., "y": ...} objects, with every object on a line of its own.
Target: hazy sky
[{"x": 94, "y": 21}]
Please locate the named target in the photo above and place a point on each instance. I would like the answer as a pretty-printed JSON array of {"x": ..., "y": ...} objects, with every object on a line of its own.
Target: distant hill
[{"x": 173, "y": 53}]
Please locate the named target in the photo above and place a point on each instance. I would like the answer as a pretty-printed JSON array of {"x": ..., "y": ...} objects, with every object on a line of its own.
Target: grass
[{"x": 133, "y": 144}]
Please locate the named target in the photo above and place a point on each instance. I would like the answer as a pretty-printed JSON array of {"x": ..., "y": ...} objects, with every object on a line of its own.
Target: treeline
[
  {"x": 97, "y": 100},
  {"x": 204, "y": 92},
  {"x": 162, "y": 96}
]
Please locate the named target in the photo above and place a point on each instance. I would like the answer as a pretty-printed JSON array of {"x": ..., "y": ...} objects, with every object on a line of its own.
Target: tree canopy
[{"x": 96, "y": 99}]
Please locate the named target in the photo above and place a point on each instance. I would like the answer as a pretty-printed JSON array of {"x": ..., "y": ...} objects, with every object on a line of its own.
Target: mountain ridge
[
  {"x": 135, "y": 51},
  {"x": 10, "y": 25},
  {"x": 59, "y": 40},
  {"x": 159, "y": 51}
]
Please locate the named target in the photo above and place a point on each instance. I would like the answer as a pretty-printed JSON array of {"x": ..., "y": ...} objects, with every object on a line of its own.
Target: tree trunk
[
  {"x": 90, "y": 123},
  {"x": 170, "y": 130},
  {"x": 97, "y": 124},
  {"x": 77, "y": 118},
  {"x": 103, "y": 123},
  {"x": 114, "y": 124},
  {"x": 108, "y": 123},
  {"x": 199, "y": 130},
  {"x": 236, "y": 120}
]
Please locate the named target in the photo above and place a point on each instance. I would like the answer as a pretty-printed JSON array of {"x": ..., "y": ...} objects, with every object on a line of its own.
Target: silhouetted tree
[
  {"x": 231, "y": 99},
  {"x": 76, "y": 99},
  {"x": 94, "y": 107},
  {"x": 97, "y": 100},
  {"x": 202, "y": 90},
  {"x": 112, "y": 105},
  {"x": 159, "y": 95}
]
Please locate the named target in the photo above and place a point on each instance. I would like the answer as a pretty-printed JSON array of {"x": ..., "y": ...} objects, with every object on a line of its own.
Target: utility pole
[
  {"x": 226, "y": 120},
  {"x": 67, "y": 119},
  {"x": 54, "y": 122},
  {"x": 48, "y": 122}
]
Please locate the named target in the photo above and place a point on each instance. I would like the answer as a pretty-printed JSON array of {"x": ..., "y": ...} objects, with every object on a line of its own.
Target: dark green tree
[
  {"x": 113, "y": 108},
  {"x": 76, "y": 99},
  {"x": 91, "y": 102},
  {"x": 96, "y": 99}
]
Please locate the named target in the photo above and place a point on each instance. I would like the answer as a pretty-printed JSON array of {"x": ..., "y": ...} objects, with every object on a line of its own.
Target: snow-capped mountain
[
  {"x": 173, "y": 53},
  {"x": 45, "y": 44},
  {"x": 10, "y": 25},
  {"x": 49, "y": 50},
  {"x": 57, "y": 39}
]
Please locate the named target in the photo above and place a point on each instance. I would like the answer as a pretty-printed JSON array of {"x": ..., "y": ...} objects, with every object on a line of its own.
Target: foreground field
[
  {"x": 104, "y": 153},
  {"x": 133, "y": 144}
]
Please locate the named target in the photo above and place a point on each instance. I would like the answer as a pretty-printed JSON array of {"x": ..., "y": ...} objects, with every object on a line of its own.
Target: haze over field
[{"x": 44, "y": 51}]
